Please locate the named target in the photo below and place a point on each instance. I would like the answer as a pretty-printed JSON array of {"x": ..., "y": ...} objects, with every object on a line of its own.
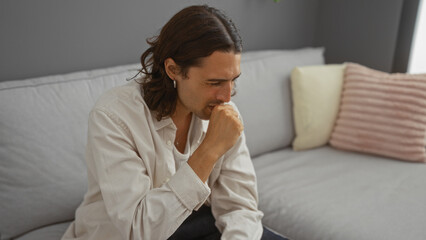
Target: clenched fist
[{"x": 225, "y": 128}]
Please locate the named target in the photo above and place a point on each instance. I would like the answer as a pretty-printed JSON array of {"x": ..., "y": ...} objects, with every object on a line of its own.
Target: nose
[{"x": 224, "y": 93}]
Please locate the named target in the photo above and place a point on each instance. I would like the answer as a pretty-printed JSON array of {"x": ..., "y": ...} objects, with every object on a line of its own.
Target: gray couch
[{"x": 314, "y": 194}]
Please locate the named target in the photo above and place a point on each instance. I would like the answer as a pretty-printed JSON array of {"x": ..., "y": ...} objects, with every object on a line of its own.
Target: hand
[{"x": 225, "y": 128}]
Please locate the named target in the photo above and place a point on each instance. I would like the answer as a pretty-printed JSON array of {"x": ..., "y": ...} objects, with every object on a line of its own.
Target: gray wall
[
  {"x": 46, "y": 37},
  {"x": 405, "y": 35},
  {"x": 362, "y": 31}
]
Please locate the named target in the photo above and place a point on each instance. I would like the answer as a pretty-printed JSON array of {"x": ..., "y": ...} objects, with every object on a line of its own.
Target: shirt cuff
[{"x": 189, "y": 188}]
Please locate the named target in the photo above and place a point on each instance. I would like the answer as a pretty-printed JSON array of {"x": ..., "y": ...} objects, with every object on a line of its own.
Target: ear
[{"x": 172, "y": 69}]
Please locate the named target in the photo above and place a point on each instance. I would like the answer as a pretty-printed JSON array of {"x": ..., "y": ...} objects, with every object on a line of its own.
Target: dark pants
[{"x": 200, "y": 226}]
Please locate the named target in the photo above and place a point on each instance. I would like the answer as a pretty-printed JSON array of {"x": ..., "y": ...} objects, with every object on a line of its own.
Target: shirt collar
[
  {"x": 162, "y": 123},
  {"x": 201, "y": 129},
  {"x": 204, "y": 125},
  {"x": 200, "y": 125}
]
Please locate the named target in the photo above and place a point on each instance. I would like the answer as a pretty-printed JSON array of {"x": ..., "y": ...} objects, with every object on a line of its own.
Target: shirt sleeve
[
  {"x": 234, "y": 197},
  {"x": 135, "y": 208}
]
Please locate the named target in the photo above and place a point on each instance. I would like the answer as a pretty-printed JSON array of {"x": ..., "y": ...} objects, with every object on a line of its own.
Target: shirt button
[{"x": 169, "y": 143}]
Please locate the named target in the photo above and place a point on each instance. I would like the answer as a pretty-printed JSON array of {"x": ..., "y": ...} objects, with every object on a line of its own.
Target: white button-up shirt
[{"x": 137, "y": 190}]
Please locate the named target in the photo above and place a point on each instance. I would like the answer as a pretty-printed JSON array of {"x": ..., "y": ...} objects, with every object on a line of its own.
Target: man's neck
[{"x": 181, "y": 117}]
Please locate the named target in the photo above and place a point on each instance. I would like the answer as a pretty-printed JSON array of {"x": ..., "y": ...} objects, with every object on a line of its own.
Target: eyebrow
[{"x": 222, "y": 80}]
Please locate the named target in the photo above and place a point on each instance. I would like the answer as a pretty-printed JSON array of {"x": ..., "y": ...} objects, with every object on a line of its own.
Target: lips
[{"x": 211, "y": 106}]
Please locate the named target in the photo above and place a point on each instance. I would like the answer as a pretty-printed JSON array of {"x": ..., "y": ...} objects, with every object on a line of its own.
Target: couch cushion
[
  {"x": 264, "y": 96},
  {"x": 383, "y": 114},
  {"x": 316, "y": 94},
  {"x": 51, "y": 232},
  {"x": 43, "y": 135},
  {"x": 325, "y": 193}
]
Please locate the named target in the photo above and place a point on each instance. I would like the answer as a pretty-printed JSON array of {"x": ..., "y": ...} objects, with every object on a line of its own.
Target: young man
[{"x": 172, "y": 143}]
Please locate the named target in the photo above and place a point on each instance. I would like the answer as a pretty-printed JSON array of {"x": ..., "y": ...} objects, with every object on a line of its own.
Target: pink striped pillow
[{"x": 383, "y": 114}]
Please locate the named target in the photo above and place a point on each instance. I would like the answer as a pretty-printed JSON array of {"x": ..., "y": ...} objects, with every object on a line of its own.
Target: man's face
[{"x": 208, "y": 85}]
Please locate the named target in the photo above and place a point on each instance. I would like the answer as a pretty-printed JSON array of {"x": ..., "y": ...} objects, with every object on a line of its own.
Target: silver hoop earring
[{"x": 174, "y": 83}]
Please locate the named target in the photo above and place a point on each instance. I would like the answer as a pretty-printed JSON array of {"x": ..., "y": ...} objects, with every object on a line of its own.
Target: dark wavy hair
[{"x": 190, "y": 35}]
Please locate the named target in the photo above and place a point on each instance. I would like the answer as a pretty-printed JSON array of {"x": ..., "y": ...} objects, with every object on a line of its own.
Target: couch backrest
[
  {"x": 43, "y": 125},
  {"x": 264, "y": 96}
]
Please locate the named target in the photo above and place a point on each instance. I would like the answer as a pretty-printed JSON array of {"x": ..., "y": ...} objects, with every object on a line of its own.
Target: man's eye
[{"x": 215, "y": 83}]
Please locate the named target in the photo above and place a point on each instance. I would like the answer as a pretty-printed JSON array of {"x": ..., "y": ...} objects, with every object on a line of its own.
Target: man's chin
[{"x": 204, "y": 115}]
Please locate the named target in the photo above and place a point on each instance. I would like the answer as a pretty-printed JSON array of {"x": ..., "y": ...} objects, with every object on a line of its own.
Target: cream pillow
[{"x": 316, "y": 94}]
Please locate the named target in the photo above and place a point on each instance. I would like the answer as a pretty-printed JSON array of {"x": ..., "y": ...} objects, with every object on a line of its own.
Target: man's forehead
[
  {"x": 220, "y": 65},
  {"x": 217, "y": 73}
]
